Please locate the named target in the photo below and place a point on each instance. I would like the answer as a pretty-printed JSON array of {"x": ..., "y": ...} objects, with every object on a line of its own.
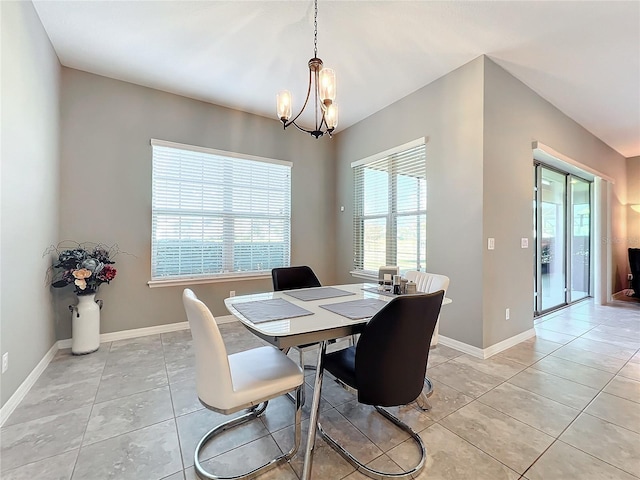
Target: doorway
[{"x": 562, "y": 232}]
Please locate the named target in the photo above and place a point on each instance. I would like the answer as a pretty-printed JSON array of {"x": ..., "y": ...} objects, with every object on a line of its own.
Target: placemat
[
  {"x": 268, "y": 310},
  {"x": 318, "y": 293},
  {"x": 356, "y": 309}
]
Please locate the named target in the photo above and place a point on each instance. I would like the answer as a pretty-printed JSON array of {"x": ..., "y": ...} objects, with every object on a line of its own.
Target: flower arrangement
[{"x": 86, "y": 266}]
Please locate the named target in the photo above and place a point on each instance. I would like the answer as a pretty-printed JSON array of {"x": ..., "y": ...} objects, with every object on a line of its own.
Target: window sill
[
  {"x": 177, "y": 282},
  {"x": 366, "y": 276}
]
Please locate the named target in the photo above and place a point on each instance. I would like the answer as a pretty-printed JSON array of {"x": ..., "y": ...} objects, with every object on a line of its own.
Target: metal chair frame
[
  {"x": 370, "y": 472},
  {"x": 253, "y": 412}
]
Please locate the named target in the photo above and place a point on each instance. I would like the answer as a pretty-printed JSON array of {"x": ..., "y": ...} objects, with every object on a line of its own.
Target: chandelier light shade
[
  {"x": 636, "y": 208},
  {"x": 321, "y": 91}
]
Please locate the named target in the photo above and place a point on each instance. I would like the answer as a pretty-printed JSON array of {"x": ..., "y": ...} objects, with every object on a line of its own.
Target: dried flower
[
  {"x": 86, "y": 266},
  {"x": 81, "y": 273}
]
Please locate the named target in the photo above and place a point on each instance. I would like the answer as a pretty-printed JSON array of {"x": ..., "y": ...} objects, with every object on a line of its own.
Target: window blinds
[
  {"x": 390, "y": 200},
  {"x": 217, "y": 214}
]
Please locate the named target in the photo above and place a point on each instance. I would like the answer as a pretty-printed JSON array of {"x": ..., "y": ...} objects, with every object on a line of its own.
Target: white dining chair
[
  {"x": 244, "y": 380},
  {"x": 428, "y": 283}
]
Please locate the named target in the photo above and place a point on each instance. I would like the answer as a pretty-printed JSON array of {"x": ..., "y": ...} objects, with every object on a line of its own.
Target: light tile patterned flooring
[{"x": 564, "y": 405}]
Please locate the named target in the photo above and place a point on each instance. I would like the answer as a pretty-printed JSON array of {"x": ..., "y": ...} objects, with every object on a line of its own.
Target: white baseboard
[
  {"x": 460, "y": 346},
  {"x": 489, "y": 351},
  {"x": 133, "y": 333},
  {"x": 25, "y": 386},
  {"x": 143, "y": 332},
  {"x": 509, "y": 342},
  {"x": 226, "y": 319}
]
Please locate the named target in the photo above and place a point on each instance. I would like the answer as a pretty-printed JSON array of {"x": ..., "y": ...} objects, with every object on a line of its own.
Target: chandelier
[{"x": 322, "y": 81}]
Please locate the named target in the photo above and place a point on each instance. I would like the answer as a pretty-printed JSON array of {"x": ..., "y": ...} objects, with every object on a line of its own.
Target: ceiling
[{"x": 583, "y": 57}]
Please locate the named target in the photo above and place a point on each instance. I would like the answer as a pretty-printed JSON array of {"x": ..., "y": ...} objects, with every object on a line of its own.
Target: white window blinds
[
  {"x": 389, "y": 225},
  {"x": 217, "y": 214}
]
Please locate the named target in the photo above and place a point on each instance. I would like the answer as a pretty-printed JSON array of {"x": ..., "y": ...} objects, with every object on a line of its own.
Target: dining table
[{"x": 292, "y": 318}]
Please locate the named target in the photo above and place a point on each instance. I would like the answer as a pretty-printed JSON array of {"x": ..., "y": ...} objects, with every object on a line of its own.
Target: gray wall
[
  {"x": 29, "y": 189},
  {"x": 106, "y": 189},
  {"x": 633, "y": 198},
  {"x": 515, "y": 116},
  {"x": 481, "y": 123},
  {"x": 449, "y": 113}
]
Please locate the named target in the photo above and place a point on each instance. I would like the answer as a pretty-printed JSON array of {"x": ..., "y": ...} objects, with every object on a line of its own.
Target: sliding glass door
[
  {"x": 562, "y": 226},
  {"x": 552, "y": 239},
  {"x": 580, "y": 242}
]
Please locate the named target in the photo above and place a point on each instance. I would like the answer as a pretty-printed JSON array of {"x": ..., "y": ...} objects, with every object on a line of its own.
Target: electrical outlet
[
  {"x": 232, "y": 293},
  {"x": 506, "y": 314},
  {"x": 524, "y": 243},
  {"x": 491, "y": 243},
  {"x": 629, "y": 276},
  {"x": 5, "y": 362}
]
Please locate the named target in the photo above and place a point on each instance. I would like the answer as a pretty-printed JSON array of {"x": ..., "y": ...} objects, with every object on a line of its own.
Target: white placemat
[
  {"x": 318, "y": 293},
  {"x": 269, "y": 310},
  {"x": 356, "y": 309}
]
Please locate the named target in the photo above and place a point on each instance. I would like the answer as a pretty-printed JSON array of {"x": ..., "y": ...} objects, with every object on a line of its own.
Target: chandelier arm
[
  {"x": 302, "y": 129},
  {"x": 306, "y": 100}
]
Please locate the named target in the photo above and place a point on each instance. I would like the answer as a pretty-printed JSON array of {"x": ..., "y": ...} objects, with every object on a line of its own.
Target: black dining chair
[
  {"x": 293, "y": 278},
  {"x": 388, "y": 366}
]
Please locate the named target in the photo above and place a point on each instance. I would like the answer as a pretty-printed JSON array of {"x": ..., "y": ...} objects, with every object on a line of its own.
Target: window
[
  {"x": 217, "y": 214},
  {"x": 390, "y": 209}
]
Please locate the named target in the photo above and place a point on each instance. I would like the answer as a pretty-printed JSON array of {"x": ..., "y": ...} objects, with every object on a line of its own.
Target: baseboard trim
[
  {"x": 23, "y": 389},
  {"x": 17, "y": 397},
  {"x": 489, "y": 351},
  {"x": 461, "y": 346},
  {"x": 133, "y": 333},
  {"x": 143, "y": 332},
  {"x": 226, "y": 319},
  {"x": 509, "y": 342}
]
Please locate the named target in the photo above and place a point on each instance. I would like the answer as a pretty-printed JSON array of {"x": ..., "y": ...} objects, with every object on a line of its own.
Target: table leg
[{"x": 315, "y": 407}]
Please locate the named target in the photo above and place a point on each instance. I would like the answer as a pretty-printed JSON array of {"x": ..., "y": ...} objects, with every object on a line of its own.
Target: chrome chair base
[
  {"x": 370, "y": 472},
  {"x": 252, "y": 413},
  {"x": 422, "y": 400}
]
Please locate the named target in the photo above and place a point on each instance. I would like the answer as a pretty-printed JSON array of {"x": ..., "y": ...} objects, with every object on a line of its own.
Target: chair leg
[
  {"x": 370, "y": 472},
  {"x": 253, "y": 413},
  {"x": 428, "y": 387},
  {"x": 422, "y": 400}
]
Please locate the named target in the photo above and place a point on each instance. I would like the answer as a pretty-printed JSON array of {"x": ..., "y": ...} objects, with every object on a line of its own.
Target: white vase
[{"x": 85, "y": 325}]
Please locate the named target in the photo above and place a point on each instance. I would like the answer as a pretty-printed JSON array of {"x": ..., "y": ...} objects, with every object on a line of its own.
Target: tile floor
[{"x": 564, "y": 405}]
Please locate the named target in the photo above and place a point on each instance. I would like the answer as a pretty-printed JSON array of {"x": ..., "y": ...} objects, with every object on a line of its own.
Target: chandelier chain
[{"x": 315, "y": 30}]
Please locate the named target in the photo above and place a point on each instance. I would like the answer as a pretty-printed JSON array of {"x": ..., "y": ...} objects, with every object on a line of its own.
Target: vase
[{"x": 85, "y": 325}]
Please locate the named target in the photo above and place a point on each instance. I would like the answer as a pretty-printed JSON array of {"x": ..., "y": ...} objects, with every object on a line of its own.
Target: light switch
[
  {"x": 491, "y": 244},
  {"x": 524, "y": 243}
]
